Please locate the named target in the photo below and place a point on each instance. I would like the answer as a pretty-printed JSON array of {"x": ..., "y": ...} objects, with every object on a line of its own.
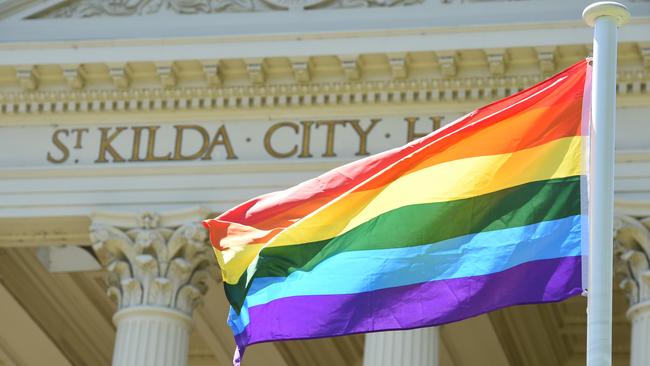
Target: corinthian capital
[
  {"x": 631, "y": 251},
  {"x": 153, "y": 260}
]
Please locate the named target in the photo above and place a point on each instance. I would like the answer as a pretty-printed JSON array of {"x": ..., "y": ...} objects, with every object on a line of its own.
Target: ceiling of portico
[
  {"x": 555, "y": 334},
  {"x": 74, "y": 312}
]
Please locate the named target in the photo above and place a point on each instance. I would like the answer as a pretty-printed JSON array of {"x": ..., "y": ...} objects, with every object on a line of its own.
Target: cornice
[{"x": 455, "y": 76}]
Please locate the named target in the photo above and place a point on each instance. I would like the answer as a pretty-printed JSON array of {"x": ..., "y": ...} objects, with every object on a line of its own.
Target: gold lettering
[
  {"x": 269, "y": 134},
  {"x": 410, "y": 128},
  {"x": 329, "y": 142},
  {"x": 79, "y": 132},
  {"x": 135, "y": 151},
  {"x": 220, "y": 138},
  {"x": 65, "y": 153},
  {"x": 363, "y": 134},
  {"x": 178, "y": 146},
  {"x": 151, "y": 146},
  {"x": 106, "y": 147},
  {"x": 306, "y": 139}
]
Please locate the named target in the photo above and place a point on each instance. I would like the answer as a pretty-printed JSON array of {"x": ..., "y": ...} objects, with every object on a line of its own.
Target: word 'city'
[{"x": 145, "y": 144}]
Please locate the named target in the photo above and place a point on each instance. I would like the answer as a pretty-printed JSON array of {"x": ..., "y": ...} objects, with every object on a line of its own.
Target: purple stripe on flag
[{"x": 413, "y": 306}]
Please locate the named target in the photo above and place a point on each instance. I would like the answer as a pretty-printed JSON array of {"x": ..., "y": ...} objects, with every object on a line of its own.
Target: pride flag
[{"x": 484, "y": 213}]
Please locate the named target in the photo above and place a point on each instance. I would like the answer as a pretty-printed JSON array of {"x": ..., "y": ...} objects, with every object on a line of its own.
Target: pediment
[{"x": 126, "y": 8}]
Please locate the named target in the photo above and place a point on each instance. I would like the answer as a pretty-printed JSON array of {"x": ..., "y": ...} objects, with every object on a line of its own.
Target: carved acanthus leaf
[
  {"x": 631, "y": 251},
  {"x": 152, "y": 265}
]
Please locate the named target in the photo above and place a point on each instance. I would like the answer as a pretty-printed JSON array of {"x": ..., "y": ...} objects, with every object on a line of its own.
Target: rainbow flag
[{"x": 484, "y": 213}]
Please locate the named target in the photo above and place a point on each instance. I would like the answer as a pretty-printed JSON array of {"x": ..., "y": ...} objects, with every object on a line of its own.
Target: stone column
[
  {"x": 417, "y": 347},
  {"x": 157, "y": 270},
  {"x": 631, "y": 251}
]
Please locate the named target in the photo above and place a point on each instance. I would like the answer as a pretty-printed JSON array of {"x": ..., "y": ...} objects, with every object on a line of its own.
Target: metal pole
[{"x": 605, "y": 17}]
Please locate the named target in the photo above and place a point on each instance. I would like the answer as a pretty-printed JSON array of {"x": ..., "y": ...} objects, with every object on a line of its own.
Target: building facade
[{"x": 124, "y": 123}]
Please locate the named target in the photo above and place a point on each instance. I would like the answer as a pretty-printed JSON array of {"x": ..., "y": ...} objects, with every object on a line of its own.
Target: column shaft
[
  {"x": 149, "y": 336},
  {"x": 418, "y": 347},
  {"x": 639, "y": 315}
]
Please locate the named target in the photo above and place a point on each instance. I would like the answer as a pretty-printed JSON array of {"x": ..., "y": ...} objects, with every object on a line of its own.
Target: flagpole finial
[{"x": 606, "y": 8}]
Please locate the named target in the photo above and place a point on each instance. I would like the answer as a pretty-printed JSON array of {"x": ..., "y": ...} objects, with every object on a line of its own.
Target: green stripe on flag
[{"x": 425, "y": 224}]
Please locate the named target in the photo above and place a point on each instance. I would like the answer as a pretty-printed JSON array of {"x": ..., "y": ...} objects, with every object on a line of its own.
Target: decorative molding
[
  {"x": 398, "y": 65},
  {"x": 632, "y": 247},
  {"x": 151, "y": 264},
  {"x": 212, "y": 72},
  {"x": 256, "y": 71},
  {"x": 301, "y": 72},
  {"x": 351, "y": 67},
  {"x": 261, "y": 96},
  {"x": 447, "y": 62},
  {"x": 633, "y": 82},
  {"x": 122, "y": 8},
  {"x": 120, "y": 75},
  {"x": 496, "y": 59},
  {"x": 423, "y": 77},
  {"x": 26, "y": 77},
  {"x": 73, "y": 76},
  {"x": 167, "y": 73},
  {"x": 644, "y": 49},
  {"x": 546, "y": 57}
]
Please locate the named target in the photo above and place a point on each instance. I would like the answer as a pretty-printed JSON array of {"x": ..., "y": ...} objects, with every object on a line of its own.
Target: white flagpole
[{"x": 605, "y": 17}]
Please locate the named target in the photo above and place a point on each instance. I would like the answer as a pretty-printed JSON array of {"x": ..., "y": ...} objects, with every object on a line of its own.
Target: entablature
[{"x": 454, "y": 76}]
